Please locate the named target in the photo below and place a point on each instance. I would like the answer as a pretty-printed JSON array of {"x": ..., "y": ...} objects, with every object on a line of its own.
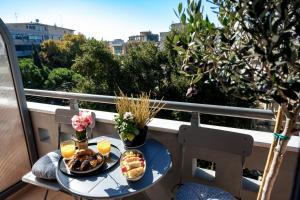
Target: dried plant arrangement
[{"x": 134, "y": 114}]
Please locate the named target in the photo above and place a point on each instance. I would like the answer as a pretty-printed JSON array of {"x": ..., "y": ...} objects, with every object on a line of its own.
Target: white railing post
[
  {"x": 195, "y": 119},
  {"x": 74, "y": 104}
]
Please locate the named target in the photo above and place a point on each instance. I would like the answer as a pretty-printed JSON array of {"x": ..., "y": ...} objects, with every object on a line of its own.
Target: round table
[{"x": 112, "y": 183}]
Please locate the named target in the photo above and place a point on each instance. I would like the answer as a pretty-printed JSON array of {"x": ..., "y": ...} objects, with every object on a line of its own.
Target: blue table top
[{"x": 112, "y": 183}]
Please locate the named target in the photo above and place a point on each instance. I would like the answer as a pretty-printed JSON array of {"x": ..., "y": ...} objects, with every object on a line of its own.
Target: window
[
  {"x": 31, "y": 27},
  {"x": 23, "y": 47}
]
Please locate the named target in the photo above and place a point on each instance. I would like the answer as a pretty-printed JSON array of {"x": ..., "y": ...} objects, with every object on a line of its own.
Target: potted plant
[
  {"x": 254, "y": 55},
  {"x": 80, "y": 123},
  {"x": 133, "y": 117}
]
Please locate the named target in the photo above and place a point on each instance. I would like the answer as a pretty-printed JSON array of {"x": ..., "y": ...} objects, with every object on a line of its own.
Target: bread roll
[
  {"x": 131, "y": 159},
  {"x": 129, "y": 156},
  {"x": 131, "y": 165},
  {"x": 135, "y": 172}
]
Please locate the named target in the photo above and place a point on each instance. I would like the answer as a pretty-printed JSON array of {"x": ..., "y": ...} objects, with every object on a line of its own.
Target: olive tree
[{"x": 254, "y": 55}]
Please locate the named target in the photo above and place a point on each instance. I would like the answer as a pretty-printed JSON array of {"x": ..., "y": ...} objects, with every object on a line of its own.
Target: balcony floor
[{"x": 32, "y": 192}]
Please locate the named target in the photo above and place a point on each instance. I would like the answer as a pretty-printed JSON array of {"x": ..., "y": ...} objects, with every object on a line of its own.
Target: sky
[{"x": 101, "y": 19}]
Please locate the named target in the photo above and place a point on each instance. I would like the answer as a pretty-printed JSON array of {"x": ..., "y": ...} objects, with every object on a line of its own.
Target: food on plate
[
  {"x": 84, "y": 160},
  {"x": 133, "y": 164},
  {"x": 133, "y": 173}
]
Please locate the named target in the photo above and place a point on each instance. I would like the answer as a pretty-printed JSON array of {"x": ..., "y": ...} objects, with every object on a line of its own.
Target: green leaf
[
  {"x": 176, "y": 13},
  {"x": 179, "y": 8},
  {"x": 183, "y": 18},
  {"x": 176, "y": 39},
  {"x": 197, "y": 79}
]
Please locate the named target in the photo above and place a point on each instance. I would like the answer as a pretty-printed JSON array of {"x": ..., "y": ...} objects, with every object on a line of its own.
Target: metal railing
[{"x": 195, "y": 108}]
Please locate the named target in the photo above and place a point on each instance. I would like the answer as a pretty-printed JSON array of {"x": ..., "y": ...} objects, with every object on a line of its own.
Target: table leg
[
  {"x": 146, "y": 197},
  {"x": 46, "y": 194}
]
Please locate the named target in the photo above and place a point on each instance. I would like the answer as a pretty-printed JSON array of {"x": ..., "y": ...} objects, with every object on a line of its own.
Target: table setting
[{"x": 108, "y": 167}]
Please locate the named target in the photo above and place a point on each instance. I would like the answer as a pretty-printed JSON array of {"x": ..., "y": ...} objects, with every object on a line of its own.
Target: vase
[
  {"x": 81, "y": 140},
  {"x": 138, "y": 141},
  {"x": 82, "y": 144}
]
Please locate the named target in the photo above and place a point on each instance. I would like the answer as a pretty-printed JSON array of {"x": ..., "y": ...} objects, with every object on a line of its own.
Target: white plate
[{"x": 139, "y": 177}]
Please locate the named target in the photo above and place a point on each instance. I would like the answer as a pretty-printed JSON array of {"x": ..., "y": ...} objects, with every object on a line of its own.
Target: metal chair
[
  {"x": 62, "y": 117},
  {"x": 227, "y": 150}
]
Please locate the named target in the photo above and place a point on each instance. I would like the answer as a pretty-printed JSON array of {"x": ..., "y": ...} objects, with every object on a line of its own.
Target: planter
[{"x": 139, "y": 140}]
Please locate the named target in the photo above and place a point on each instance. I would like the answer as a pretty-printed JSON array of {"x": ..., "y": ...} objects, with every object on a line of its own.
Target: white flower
[{"x": 128, "y": 116}]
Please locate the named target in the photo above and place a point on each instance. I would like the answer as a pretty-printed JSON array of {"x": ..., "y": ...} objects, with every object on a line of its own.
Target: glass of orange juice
[
  {"x": 67, "y": 148},
  {"x": 104, "y": 147}
]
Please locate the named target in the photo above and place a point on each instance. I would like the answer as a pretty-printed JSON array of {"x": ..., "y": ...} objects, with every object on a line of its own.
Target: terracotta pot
[{"x": 139, "y": 140}]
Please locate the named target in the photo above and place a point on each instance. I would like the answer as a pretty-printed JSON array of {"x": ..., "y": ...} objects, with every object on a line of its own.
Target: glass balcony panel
[{"x": 14, "y": 158}]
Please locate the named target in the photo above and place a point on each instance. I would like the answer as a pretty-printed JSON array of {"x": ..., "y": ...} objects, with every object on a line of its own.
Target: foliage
[
  {"x": 140, "y": 109},
  {"x": 62, "y": 79},
  {"x": 254, "y": 55},
  {"x": 126, "y": 126},
  {"x": 142, "y": 68},
  {"x": 35, "y": 57},
  {"x": 33, "y": 76},
  {"x": 195, "y": 43},
  {"x": 97, "y": 64},
  {"x": 134, "y": 114},
  {"x": 56, "y": 53}
]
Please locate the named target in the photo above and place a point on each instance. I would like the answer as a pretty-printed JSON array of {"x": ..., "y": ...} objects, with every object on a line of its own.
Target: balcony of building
[
  {"x": 38, "y": 124},
  {"x": 165, "y": 131}
]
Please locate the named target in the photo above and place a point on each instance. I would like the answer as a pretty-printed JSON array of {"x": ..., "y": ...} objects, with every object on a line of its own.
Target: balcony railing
[
  {"x": 166, "y": 132},
  {"x": 228, "y": 111}
]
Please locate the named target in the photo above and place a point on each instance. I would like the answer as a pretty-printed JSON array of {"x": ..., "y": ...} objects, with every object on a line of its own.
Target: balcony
[
  {"x": 44, "y": 134},
  {"x": 165, "y": 131}
]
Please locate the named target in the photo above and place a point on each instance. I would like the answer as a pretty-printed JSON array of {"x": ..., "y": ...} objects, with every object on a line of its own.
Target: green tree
[
  {"x": 36, "y": 57},
  {"x": 32, "y": 75},
  {"x": 254, "y": 55},
  {"x": 98, "y": 65},
  {"x": 142, "y": 68},
  {"x": 57, "y": 53},
  {"x": 63, "y": 79}
]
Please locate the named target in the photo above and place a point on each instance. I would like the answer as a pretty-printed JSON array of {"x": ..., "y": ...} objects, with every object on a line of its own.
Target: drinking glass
[
  {"x": 67, "y": 148},
  {"x": 104, "y": 147}
]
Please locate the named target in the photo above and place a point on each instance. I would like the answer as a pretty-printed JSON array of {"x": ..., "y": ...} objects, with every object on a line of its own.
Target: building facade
[
  {"x": 144, "y": 36},
  {"x": 27, "y": 34},
  {"x": 117, "y": 46}
]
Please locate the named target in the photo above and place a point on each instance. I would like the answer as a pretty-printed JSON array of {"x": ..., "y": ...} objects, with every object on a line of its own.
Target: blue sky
[{"x": 102, "y": 19}]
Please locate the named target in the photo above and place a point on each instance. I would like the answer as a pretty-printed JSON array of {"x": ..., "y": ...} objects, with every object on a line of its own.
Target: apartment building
[
  {"x": 33, "y": 33},
  {"x": 117, "y": 46},
  {"x": 143, "y": 37}
]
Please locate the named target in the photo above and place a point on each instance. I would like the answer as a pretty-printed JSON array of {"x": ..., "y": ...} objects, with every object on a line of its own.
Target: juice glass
[
  {"x": 67, "y": 148},
  {"x": 104, "y": 147}
]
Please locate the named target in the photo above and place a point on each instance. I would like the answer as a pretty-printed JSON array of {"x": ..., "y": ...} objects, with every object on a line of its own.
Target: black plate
[{"x": 110, "y": 162}]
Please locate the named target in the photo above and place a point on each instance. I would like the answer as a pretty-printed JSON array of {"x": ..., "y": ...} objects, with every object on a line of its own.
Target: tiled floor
[{"x": 35, "y": 193}]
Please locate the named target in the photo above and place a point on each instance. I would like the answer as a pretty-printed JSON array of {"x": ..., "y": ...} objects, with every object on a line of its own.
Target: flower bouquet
[
  {"x": 80, "y": 123},
  {"x": 133, "y": 117}
]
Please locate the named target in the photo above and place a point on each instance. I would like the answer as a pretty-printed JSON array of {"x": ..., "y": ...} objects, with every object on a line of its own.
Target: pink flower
[
  {"x": 76, "y": 123},
  {"x": 86, "y": 117},
  {"x": 82, "y": 121}
]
